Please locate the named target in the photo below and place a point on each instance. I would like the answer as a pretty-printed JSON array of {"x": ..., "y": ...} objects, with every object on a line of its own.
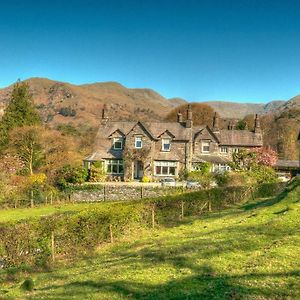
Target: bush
[
  {"x": 96, "y": 174},
  {"x": 27, "y": 285},
  {"x": 81, "y": 232},
  {"x": 146, "y": 179},
  {"x": 67, "y": 112},
  {"x": 71, "y": 174}
]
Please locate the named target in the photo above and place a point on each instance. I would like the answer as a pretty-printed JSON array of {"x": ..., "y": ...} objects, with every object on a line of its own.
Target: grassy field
[
  {"x": 251, "y": 251},
  {"x": 25, "y": 213}
]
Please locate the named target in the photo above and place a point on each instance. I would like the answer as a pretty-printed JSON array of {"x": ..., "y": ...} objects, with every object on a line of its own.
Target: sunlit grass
[{"x": 251, "y": 251}]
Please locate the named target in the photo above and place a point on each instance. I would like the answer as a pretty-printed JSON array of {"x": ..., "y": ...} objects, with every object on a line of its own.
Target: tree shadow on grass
[{"x": 205, "y": 283}]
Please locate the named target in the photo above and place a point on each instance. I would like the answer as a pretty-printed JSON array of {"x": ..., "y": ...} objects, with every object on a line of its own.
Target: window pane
[
  {"x": 172, "y": 170},
  {"x": 165, "y": 170},
  {"x": 121, "y": 169},
  {"x": 114, "y": 169},
  {"x": 158, "y": 170}
]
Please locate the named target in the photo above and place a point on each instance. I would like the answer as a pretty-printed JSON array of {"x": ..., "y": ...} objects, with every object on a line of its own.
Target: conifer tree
[{"x": 19, "y": 112}]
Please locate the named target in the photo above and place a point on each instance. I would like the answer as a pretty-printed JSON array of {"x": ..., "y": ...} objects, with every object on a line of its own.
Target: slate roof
[
  {"x": 103, "y": 146},
  {"x": 239, "y": 138},
  {"x": 287, "y": 164},
  {"x": 210, "y": 158}
]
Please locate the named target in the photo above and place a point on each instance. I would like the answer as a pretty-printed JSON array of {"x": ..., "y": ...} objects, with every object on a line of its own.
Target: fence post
[
  {"x": 104, "y": 193},
  {"x": 142, "y": 192},
  {"x": 182, "y": 209},
  {"x": 31, "y": 199},
  {"x": 51, "y": 198},
  {"x": 52, "y": 246},
  {"x": 209, "y": 202},
  {"x": 111, "y": 233},
  {"x": 153, "y": 215}
]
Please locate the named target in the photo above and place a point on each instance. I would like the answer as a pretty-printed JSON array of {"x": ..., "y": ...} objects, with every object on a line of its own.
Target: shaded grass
[{"x": 250, "y": 251}]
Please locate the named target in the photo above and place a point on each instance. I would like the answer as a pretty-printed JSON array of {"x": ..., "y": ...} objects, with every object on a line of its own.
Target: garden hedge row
[{"x": 30, "y": 242}]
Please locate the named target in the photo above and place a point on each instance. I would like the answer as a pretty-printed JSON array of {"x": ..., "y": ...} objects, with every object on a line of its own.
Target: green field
[{"x": 251, "y": 251}]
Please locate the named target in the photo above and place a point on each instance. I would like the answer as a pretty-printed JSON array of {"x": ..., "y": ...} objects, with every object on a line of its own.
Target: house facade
[{"x": 132, "y": 150}]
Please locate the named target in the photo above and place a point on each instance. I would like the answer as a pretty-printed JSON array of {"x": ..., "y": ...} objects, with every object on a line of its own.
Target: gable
[
  {"x": 166, "y": 134},
  {"x": 140, "y": 129},
  {"x": 205, "y": 134},
  {"x": 116, "y": 133}
]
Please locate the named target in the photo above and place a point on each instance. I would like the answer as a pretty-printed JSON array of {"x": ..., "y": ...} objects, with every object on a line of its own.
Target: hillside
[
  {"x": 240, "y": 110},
  {"x": 60, "y": 102},
  {"x": 250, "y": 251}
]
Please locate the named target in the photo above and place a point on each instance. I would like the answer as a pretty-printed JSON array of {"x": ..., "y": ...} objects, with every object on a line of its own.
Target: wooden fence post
[
  {"x": 52, "y": 246},
  {"x": 182, "y": 210},
  {"x": 209, "y": 205},
  {"x": 142, "y": 192},
  {"x": 111, "y": 233},
  {"x": 104, "y": 193},
  {"x": 31, "y": 199},
  {"x": 153, "y": 215},
  {"x": 51, "y": 198}
]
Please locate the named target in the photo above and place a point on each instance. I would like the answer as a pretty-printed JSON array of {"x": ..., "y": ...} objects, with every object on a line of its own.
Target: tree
[
  {"x": 202, "y": 113},
  {"x": 25, "y": 142},
  {"x": 19, "y": 112},
  {"x": 241, "y": 125},
  {"x": 266, "y": 156}
]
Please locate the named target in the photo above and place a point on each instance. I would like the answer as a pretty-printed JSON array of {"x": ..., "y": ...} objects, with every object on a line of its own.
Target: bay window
[
  {"x": 114, "y": 166},
  {"x": 165, "y": 168}
]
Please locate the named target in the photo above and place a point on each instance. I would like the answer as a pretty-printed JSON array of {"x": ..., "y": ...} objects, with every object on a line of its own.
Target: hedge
[{"x": 37, "y": 242}]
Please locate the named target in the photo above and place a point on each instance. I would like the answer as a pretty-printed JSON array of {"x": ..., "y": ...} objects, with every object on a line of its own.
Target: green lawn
[
  {"x": 25, "y": 213},
  {"x": 251, "y": 251}
]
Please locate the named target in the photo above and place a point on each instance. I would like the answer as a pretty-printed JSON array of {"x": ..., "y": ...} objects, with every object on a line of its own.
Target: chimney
[
  {"x": 104, "y": 118},
  {"x": 179, "y": 117},
  {"x": 257, "y": 128},
  {"x": 189, "y": 117},
  {"x": 216, "y": 123}
]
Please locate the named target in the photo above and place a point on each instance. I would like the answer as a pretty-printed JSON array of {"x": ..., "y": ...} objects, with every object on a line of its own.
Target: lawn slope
[{"x": 250, "y": 251}]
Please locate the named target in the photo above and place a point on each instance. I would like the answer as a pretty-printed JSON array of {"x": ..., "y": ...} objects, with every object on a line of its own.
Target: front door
[{"x": 138, "y": 169}]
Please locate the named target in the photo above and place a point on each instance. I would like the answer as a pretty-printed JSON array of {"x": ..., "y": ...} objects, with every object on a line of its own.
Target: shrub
[
  {"x": 146, "y": 179},
  {"x": 27, "y": 285},
  {"x": 67, "y": 112},
  {"x": 71, "y": 174},
  {"x": 96, "y": 173}
]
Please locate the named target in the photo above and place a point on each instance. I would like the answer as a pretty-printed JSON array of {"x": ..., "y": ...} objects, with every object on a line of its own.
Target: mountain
[
  {"x": 60, "y": 102},
  {"x": 63, "y": 103},
  {"x": 240, "y": 110}
]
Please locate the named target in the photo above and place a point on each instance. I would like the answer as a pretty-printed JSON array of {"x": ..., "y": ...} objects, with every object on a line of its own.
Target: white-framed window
[
  {"x": 205, "y": 147},
  {"x": 221, "y": 167},
  {"x": 165, "y": 168},
  {"x": 118, "y": 143},
  {"x": 166, "y": 144},
  {"x": 138, "y": 142},
  {"x": 114, "y": 166},
  {"x": 224, "y": 149},
  {"x": 236, "y": 150}
]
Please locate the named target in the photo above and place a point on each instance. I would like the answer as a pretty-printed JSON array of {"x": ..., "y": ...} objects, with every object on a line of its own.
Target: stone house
[{"x": 131, "y": 150}]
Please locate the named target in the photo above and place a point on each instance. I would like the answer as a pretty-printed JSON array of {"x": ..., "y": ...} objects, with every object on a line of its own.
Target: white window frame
[
  {"x": 236, "y": 150},
  {"x": 224, "y": 148},
  {"x": 166, "y": 142},
  {"x": 118, "y": 164},
  {"x": 205, "y": 144},
  {"x": 118, "y": 140},
  {"x": 138, "y": 139},
  {"x": 165, "y": 167},
  {"x": 221, "y": 167}
]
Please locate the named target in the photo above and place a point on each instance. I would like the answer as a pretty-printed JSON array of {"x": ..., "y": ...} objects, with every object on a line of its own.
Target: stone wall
[{"x": 122, "y": 193}]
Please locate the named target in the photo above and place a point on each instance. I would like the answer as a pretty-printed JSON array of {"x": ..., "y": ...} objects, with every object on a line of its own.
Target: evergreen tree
[{"x": 19, "y": 112}]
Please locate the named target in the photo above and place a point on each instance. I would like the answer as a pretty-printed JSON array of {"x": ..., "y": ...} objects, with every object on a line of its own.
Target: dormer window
[
  {"x": 205, "y": 147},
  {"x": 118, "y": 143},
  {"x": 166, "y": 144},
  {"x": 138, "y": 143}
]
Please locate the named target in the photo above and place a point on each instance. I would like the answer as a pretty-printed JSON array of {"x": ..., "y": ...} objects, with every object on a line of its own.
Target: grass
[
  {"x": 250, "y": 251},
  {"x": 25, "y": 213}
]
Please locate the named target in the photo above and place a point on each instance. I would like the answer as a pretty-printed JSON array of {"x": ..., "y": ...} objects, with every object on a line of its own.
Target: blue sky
[{"x": 239, "y": 50}]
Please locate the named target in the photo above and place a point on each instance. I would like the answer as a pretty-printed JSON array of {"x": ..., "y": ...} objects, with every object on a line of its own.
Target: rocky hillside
[{"x": 60, "y": 102}]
